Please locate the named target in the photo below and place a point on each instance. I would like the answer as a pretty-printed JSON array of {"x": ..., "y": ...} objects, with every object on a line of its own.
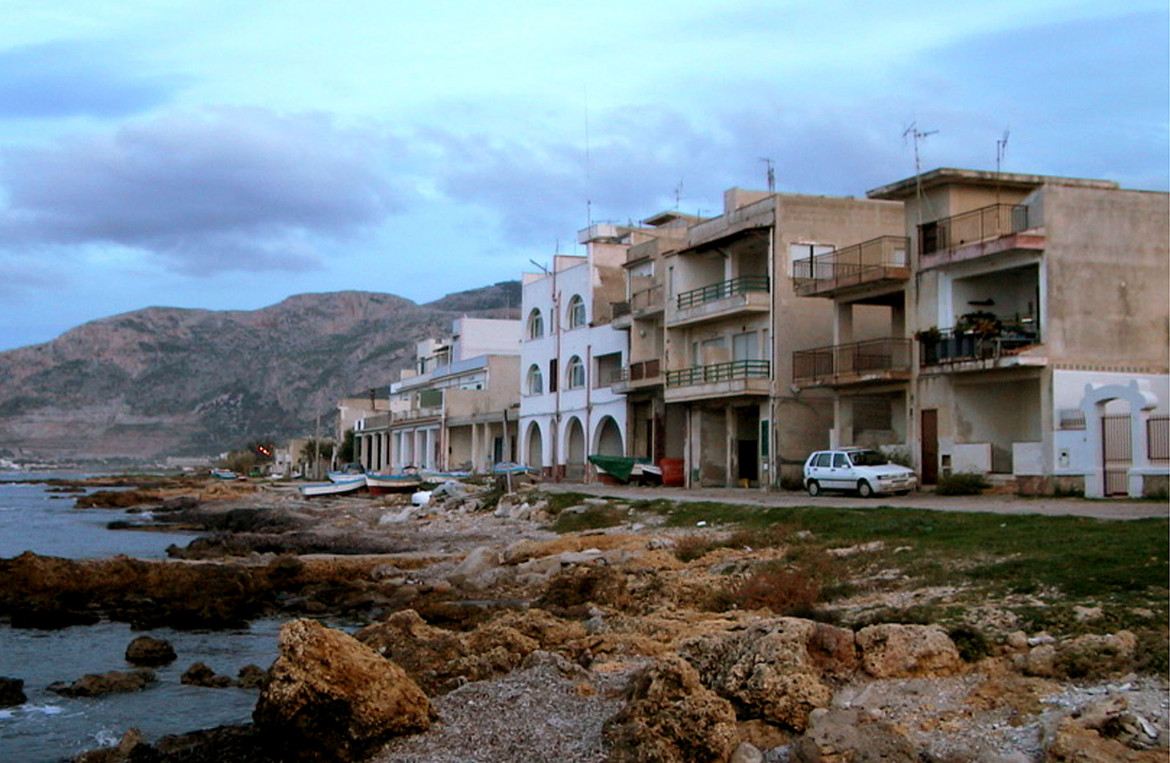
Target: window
[
  {"x": 535, "y": 324},
  {"x": 576, "y": 311},
  {"x": 552, "y": 375},
  {"x": 822, "y": 459},
  {"x": 839, "y": 461},
  {"x": 535, "y": 382},
  {"x": 575, "y": 373}
]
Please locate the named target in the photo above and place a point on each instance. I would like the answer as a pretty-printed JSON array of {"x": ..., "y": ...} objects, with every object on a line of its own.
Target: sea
[{"x": 49, "y": 727}]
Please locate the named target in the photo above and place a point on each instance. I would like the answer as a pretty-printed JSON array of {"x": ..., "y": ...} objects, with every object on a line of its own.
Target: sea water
[{"x": 49, "y": 727}]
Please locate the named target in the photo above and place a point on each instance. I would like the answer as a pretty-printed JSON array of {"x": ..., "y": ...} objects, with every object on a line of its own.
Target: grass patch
[
  {"x": 589, "y": 518},
  {"x": 1052, "y": 562}
]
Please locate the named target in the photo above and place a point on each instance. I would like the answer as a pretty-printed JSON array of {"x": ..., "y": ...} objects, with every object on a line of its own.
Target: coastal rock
[
  {"x": 847, "y": 735},
  {"x": 1073, "y": 743},
  {"x": 252, "y": 677},
  {"x": 774, "y": 669},
  {"x": 200, "y": 674},
  {"x": 95, "y": 685},
  {"x": 669, "y": 716},
  {"x": 439, "y": 660},
  {"x": 331, "y": 697},
  {"x": 899, "y": 651},
  {"x": 11, "y": 692},
  {"x": 150, "y": 652}
]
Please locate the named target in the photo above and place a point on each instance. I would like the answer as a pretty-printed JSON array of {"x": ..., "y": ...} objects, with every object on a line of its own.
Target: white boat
[
  {"x": 333, "y": 488},
  {"x": 347, "y": 472}
]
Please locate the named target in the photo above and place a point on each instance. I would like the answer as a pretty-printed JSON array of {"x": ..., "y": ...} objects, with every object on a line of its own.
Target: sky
[{"x": 226, "y": 155}]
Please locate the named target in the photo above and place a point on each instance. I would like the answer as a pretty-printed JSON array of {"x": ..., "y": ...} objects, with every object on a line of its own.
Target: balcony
[
  {"x": 981, "y": 232},
  {"x": 640, "y": 375},
  {"x": 415, "y": 414},
  {"x": 875, "y": 361},
  {"x": 724, "y": 299},
  {"x": 880, "y": 261},
  {"x": 730, "y": 379},
  {"x": 648, "y": 301},
  {"x": 958, "y": 350}
]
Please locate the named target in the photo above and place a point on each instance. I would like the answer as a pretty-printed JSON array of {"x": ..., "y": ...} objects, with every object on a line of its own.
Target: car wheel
[
  {"x": 814, "y": 488},
  {"x": 864, "y": 489}
]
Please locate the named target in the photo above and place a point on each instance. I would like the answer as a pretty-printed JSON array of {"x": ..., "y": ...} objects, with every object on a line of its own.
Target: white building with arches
[{"x": 571, "y": 356}]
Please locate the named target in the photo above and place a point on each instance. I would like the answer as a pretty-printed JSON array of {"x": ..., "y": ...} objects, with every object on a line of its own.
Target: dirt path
[{"x": 997, "y": 504}]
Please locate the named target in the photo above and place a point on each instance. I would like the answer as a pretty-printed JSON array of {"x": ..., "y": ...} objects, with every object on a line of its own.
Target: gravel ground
[{"x": 548, "y": 710}]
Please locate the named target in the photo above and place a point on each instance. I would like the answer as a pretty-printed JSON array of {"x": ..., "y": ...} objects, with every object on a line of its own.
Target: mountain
[{"x": 166, "y": 381}]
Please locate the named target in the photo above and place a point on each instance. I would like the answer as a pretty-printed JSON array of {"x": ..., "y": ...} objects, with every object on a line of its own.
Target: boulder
[
  {"x": 252, "y": 677},
  {"x": 775, "y": 669},
  {"x": 839, "y": 734},
  {"x": 477, "y": 569},
  {"x": 200, "y": 674},
  {"x": 670, "y": 716},
  {"x": 95, "y": 685},
  {"x": 331, "y": 697},
  {"x": 148, "y": 652},
  {"x": 1073, "y": 743},
  {"x": 11, "y": 692},
  {"x": 891, "y": 650}
]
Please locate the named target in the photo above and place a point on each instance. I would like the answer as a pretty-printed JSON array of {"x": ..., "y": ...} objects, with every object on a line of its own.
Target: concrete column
[
  {"x": 843, "y": 326},
  {"x": 898, "y": 320},
  {"x": 732, "y": 447},
  {"x": 842, "y": 433}
]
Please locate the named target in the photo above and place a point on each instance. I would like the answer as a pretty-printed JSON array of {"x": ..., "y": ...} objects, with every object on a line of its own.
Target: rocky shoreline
[{"x": 581, "y": 646}]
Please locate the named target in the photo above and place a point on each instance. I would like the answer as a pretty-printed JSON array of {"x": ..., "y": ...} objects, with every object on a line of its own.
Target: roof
[{"x": 904, "y": 189}]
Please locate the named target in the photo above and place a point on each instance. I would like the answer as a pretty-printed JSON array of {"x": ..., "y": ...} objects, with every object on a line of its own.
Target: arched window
[
  {"x": 535, "y": 324},
  {"x": 575, "y": 373},
  {"x": 576, "y": 311},
  {"x": 535, "y": 381}
]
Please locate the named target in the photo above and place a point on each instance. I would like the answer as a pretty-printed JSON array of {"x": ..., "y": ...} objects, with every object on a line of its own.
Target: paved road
[{"x": 1000, "y": 504}]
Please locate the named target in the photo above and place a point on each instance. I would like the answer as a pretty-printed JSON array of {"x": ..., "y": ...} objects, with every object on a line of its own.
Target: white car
[{"x": 865, "y": 471}]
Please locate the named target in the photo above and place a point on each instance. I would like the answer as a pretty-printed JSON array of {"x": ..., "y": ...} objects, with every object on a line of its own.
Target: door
[
  {"x": 930, "y": 447},
  {"x": 1117, "y": 451}
]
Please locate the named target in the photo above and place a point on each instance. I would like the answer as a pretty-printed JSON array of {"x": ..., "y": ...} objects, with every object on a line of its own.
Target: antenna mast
[
  {"x": 1000, "y": 152},
  {"x": 588, "y": 166},
  {"x": 771, "y": 173},
  {"x": 918, "y": 135}
]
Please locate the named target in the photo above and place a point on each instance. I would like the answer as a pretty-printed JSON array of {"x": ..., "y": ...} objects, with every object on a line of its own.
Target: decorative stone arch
[
  {"x": 574, "y": 450},
  {"x": 533, "y": 446},
  {"x": 607, "y": 439},
  {"x": 1141, "y": 401}
]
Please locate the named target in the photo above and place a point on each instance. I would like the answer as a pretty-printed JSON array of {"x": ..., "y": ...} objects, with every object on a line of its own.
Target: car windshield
[{"x": 868, "y": 458}]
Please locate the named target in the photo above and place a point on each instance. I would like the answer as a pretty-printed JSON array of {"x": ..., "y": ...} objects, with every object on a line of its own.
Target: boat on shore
[
  {"x": 333, "y": 488},
  {"x": 224, "y": 474},
  {"x": 625, "y": 470},
  {"x": 381, "y": 484},
  {"x": 346, "y": 473}
]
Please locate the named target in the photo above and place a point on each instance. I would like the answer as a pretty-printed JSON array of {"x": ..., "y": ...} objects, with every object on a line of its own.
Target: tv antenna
[
  {"x": 918, "y": 136},
  {"x": 678, "y": 194},
  {"x": 1000, "y": 152},
  {"x": 543, "y": 269},
  {"x": 771, "y": 173}
]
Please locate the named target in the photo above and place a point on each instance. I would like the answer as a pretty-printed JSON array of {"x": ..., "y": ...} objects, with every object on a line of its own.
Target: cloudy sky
[{"x": 225, "y": 155}]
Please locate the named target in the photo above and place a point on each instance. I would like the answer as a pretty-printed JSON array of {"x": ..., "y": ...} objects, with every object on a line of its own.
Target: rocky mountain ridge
[{"x": 168, "y": 381}]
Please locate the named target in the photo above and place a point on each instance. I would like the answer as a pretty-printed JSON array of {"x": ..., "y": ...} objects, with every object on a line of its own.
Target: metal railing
[
  {"x": 972, "y": 227},
  {"x": 719, "y": 372},
  {"x": 842, "y": 361},
  {"x": 868, "y": 261},
  {"x": 722, "y": 290},
  {"x": 417, "y": 413},
  {"x": 952, "y": 346}
]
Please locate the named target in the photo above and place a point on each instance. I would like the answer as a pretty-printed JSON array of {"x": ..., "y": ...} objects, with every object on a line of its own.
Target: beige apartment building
[
  {"x": 730, "y": 323},
  {"x": 1025, "y": 332},
  {"x": 457, "y": 410}
]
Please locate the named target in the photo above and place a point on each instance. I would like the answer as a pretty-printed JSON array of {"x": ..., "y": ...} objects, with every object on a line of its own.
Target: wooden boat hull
[{"x": 380, "y": 484}]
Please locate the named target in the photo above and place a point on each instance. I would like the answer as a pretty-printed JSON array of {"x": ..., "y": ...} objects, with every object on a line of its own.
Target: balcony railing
[
  {"x": 972, "y": 227},
  {"x": 719, "y": 372},
  {"x": 952, "y": 346},
  {"x": 879, "y": 259},
  {"x": 841, "y": 363},
  {"x": 722, "y": 290},
  {"x": 633, "y": 374},
  {"x": 417, "y": 413}
]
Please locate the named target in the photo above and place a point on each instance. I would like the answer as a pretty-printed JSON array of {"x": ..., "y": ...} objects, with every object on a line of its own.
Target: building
[
  {"x": 1026, "y": 332},
  {"x": 572, "y": 355},
  {"x": 457, "y": 410},
  {"x": 732, "y": 320}
]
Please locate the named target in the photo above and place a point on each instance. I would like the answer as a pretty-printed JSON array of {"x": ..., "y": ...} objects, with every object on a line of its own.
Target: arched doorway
[
  {"x": 1114, "y": 413},
  {"x": 534, "y": 458},
  {"x": 609, "y": 439},
  {"x": 575, "y": 450}
]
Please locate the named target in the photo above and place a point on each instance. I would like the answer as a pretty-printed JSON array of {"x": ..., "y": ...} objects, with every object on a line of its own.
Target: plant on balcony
[
  {"x": 979, "y": 323},
  {"x": 928, "y": 336}
]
